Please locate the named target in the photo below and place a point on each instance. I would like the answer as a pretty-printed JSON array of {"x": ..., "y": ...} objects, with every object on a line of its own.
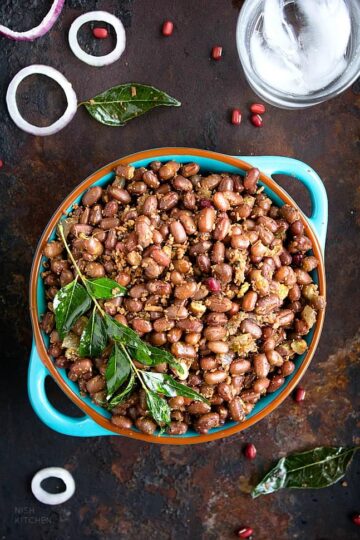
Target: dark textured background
[{"x": 128, "y": 489}]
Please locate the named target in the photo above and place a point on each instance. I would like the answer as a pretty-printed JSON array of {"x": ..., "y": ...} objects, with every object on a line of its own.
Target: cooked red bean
[
  {"x": 267, "y": 304},
  {"x": 225, "y": 391},
  {"x": 206, "y": 422},
  {"x": 177, "y": 428},
  {"x": 182, "y": 350},
  {"x": 145, "y": 425},
  {"x": 108, "y": 223},
  {"x": 185, "y": 291},
  {"x": 287, "y": 368},
  {"x": 236, "y": 409},
  {"x": 92, "y": 196},
  {"x": 218, "y": 252},
  {"x": 190, "y": 325},
  {"x": 182, "y": 184},
  {"x": 218, "y": 347},
  {"x": 80, "y": 368},
  {"x": 211, "y": 181},
  {"x": 249, "y": 301},
  {"x": 251, "y": 179},
  {"x": 215, "y": 377},
  {"x": 260, "y": 385},
  {"x": 95, "y": 270},
  {"x": 250, "y": 327},
  {"x": 276, "y": 382},
  {"x": 151, "y": 179},
  {"x": 239, "y": 367},
  {"x": 122, "y": 422},
  {"x": 93, "y": 246},
  {"x": 176, "y": 312},
  {"x": 66, "y": 277},
  {"x": 198, "y": 407},
  {"x": 53, "y": 249},
  {"x": 222, "y": 228},
  {"x": 223, "y": 272},
  {"x": 274, "y": 358},
  {"x": 206, "y": 220},
  {"x": 141, "y": 326},
  {"x": 208, "y": 362},
  {"x": 261, "y": 365},
  {"x": 178, "y": 232},
  {"x": 220, "y": 304},
  {"x": 214, "y": 333},
  {"x": 95, "y": 384}
]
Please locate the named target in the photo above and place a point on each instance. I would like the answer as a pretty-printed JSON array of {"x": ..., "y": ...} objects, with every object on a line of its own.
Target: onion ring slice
[
  {"x": 38, "y": 31},
  {"x": 98, "y": 61},
  {"x": 56, "y": 76},
  {"x": 53, "y": 498}
]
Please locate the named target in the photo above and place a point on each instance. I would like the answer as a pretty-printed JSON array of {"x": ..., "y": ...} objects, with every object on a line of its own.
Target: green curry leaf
[
  {"x": 122, "y": 103},
  {"x": 105, "y": 288},
  {"x": 314, "y": 469},
  {"x": 161, "y": 383},
  {"x": 117, "y": 371},
  {"x": 94, "y": 337},
  {"x": 70, "y": 303}
]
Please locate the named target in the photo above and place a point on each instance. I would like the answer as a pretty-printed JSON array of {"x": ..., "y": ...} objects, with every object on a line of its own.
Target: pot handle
[
  {"x": 54, "y": 419},
  {"x": 308, "y": 177}
]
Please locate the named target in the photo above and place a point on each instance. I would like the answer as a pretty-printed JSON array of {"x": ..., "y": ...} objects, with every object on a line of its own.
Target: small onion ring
[
  {"x": 40, "y": 30},
  {"x": 56, "y": 76},
  {"x": 53, "y": 498},
  {"x": 97, "y": 61}
]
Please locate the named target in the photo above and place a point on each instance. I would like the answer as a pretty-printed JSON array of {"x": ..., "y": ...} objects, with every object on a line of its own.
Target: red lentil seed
[
  {"x": 245, "y": 532},
  {"x": 256, "y": 120},
  {"x": 299, "y": 394},
  {"x": 250, "y": 451},
  {"x": 167, "y": 28},
  {"x": 100, "y": 33},
  {"x": 257, "y": 108},
  {"x": 236, "y": 117},
  {"x": 356, "y": 519},
  {"x": 216, "y": 52}
]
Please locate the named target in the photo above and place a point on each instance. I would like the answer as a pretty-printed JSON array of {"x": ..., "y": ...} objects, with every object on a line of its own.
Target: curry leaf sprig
[{"x": 122, "y": 374}]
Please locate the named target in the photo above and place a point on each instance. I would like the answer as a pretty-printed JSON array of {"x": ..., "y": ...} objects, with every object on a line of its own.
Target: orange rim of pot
[{"x": 36, "y": 268}]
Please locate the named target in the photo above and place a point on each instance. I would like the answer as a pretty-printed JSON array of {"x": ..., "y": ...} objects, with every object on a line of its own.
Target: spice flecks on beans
[{"x": 214, "y": 272}]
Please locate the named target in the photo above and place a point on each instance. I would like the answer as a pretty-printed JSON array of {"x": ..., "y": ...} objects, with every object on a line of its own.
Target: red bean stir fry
[{"x": 214, "y": 272}]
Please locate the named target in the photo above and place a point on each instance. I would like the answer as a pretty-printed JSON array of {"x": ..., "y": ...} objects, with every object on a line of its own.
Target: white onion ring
[
  {"x": 106, "y": 59},
  {"x": 56, "y": 76},
  {"x": 53, "y": 498},
  {"x": 40, "y": 30}
]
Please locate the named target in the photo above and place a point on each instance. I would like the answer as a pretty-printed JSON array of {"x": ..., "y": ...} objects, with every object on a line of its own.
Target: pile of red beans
[{"x": 215, "y": 273}]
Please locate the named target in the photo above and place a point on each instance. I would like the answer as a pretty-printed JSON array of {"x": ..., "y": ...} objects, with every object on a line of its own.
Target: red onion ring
[
  {"x": 56, "y": 76},
  {"x": 103, "y": 16},
  {"x": 40, "y": 30}
]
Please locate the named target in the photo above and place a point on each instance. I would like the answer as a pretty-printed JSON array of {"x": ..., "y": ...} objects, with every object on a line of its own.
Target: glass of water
[{"x": 298, "y": 53}]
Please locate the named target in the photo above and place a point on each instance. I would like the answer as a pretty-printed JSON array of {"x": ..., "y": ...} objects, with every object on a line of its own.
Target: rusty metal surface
[{"x": 128, "y": 489}]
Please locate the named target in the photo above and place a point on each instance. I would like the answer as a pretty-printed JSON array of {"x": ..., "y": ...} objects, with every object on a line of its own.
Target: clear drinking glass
[{"x": 250, "y": 21}]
